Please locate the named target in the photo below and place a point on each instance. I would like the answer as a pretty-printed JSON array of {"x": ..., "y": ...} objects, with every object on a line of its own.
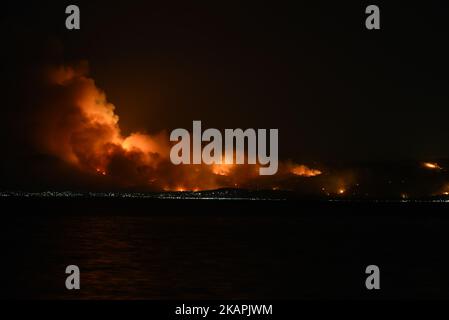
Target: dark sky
[{"x": 336, "y": 91}]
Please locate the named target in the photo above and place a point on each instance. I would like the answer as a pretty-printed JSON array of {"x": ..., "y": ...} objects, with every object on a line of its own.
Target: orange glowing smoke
[
  {"x": 304, "y": 171},
  {"x": 78, "y": 125}
]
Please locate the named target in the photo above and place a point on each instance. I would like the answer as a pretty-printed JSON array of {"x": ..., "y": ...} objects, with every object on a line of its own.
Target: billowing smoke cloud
[{"x": 78, "y": 125}]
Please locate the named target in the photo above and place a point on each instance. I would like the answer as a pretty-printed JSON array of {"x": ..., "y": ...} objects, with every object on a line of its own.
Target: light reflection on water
[
  {"x": 220, "y": 257},
  {"x": 142, "y": 257}
]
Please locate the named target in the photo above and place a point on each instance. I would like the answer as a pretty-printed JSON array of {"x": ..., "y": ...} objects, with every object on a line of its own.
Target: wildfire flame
[
  {"x": 432, "y": 165},
  {"x": 304, "y": 171},
  {"x": 79, "y": 126},
  {"x": 222, "y": 169}
]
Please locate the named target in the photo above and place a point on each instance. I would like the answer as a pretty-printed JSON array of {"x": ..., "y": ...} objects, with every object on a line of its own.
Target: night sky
[{"x": 336, "y": 91}]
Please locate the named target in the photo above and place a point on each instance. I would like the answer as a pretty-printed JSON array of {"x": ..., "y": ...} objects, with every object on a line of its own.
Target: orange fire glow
[
  {"x": 432, "y": 165},
  {"x": 304, "y": 171},
  {"x": 81, "y": 127},
  {"x": 222, "y": 169}
]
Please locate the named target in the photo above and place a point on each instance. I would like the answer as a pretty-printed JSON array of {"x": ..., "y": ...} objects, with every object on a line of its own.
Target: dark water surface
[{"x": 222, "y": 250}]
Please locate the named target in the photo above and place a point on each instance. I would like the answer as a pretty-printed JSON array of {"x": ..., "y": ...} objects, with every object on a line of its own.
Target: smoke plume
[{"x": 78, "y": 125}]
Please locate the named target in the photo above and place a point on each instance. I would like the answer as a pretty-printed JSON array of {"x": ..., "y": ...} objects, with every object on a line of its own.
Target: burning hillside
[{"x": 78, "y": 125}]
